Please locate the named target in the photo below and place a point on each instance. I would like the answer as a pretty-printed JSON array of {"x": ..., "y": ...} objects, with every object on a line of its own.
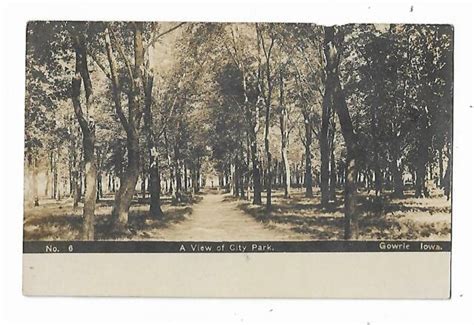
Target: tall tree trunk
[
  {"x": 155, "y": 193},
  {"x": 241, "y": 170},
  {"x": 68, "y": 184},
  {"x": 247, "y": 173},
  {"x": 143, "y": 184},
  {"x": 333, "y": 83},
  {"x": 33, "y": 184},
  {"x": 48, "y": 179},
  {"x": 268, "y": 105},
  {"x": 87, "y": 126},
  {"x": 76, "y": 185},
  {"x": 286, "y": 168},
  {"x": 54, "y": 166},
  {"x": 196, "y": 184},
  {"x": 90, "y": 194},
  {"x": 374, "y": 132},
  {"x": 185, "y": 176},
  {"x": 332, "y": 176},
  {"x": 241, "y": 178},
  {"x": 351, "y": 224},
  {"x": 308, "y": 173},
  {"x": 375, "y": 149},
  {"x": 170, "y": 165},
  {"x": 447, "y": 179},
  {"x": 177, "y": 173},
  {"x": 285, "y": 135},
  {"x": 252, "y": 128},
  {"x": 440, "y": 167},
  {"x": 128, "y": 181},
  {"x": 420, "y": 165},
  {"x": 268, "y": 175},
  {"x": 99, "y": 194},
  {"x": 232, "y": 187},
  {"x": 332, "y": 161},
  {"x": 324, "y": 136},
  {"x": 257, "y": 185},
  {"x": 397, "y": 180},
  {"x": 396, "y": 170},
  {"x": 422, "y": 158},
  {"x": 129, "y": 178},
  {"x": 154, "y": 185}
]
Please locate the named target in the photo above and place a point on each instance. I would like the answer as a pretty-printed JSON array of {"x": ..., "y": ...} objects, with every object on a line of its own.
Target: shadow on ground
[
  {"x": 381, "y": 218},
  {"x": 55, "y": 220}
]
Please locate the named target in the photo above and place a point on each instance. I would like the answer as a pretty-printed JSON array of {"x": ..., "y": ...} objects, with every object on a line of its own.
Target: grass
[
  {"x": 381, "y": 218},
  {"x": 58, "y": 220}
]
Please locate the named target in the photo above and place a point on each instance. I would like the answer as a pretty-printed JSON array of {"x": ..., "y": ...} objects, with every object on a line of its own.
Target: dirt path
[{"x": 214, "y": 219}]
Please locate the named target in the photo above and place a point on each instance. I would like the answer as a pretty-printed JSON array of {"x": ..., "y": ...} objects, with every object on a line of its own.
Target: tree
[
  {"x": 333, "y": 84},
  {"x": 87, "y": 126},
  {"x": 128, "y": 181},
  {"x": 267, "y": 97},
  {"x": 285, "y": 132}
]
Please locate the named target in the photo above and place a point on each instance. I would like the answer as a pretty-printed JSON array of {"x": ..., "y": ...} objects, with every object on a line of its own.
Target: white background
[{"x": 17, "y": 309}]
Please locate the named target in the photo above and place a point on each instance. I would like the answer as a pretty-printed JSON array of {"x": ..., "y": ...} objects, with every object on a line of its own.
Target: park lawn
[
  {"x": 57, "y": 220},
  {"x": 394, "y": 219}
]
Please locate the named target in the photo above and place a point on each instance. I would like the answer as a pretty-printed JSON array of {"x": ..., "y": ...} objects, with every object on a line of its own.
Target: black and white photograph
[{"x": 188, "y": 131}]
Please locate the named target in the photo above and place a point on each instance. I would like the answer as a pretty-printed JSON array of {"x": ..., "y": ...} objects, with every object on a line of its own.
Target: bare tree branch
[
  {"x": 115, "y": 81},
  {"x": 122, "y": 53},
  {"x": 99, "y": 64},
  {"x": 156, "y": 37}
]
